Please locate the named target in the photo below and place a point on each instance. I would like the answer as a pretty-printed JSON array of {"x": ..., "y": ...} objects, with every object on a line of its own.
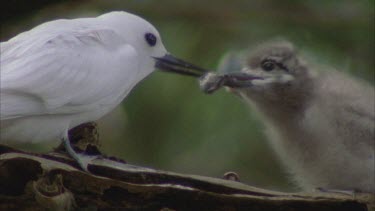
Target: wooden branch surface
[{"x": 53, "y": 181}]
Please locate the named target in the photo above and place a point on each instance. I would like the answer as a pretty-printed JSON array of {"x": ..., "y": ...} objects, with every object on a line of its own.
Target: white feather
[{"x": 67, "y": 72}]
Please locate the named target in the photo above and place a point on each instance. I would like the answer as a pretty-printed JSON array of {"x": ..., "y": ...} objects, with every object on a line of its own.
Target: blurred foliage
[{"x": 168, "y": 123}]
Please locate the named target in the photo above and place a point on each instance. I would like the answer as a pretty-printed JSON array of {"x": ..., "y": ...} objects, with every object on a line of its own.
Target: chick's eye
[
  {"x": 268, "y": 65},
  {"x": 150, "y": 39}
]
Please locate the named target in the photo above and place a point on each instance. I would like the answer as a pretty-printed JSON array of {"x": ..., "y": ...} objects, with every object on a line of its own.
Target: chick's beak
[{"x": 169, "y": 63}]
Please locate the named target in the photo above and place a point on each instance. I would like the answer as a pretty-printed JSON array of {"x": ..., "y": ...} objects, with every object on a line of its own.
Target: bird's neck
[{"x": 283, "y": 103}]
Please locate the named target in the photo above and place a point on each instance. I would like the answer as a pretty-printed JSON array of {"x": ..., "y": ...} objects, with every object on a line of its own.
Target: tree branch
[{"x": 39, "y": 181}]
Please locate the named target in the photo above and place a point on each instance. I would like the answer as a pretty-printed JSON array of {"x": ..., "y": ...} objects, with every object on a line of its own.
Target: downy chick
[{"x": 321, "y": 124}]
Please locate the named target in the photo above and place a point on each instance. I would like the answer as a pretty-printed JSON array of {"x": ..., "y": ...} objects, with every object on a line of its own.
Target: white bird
[
  {"x": 63, "y": 73},
  {"x": 320, "y": 123}
]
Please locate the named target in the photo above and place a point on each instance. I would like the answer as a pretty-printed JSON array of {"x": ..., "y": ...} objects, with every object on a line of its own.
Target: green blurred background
[{"x": 167, "y": 122}]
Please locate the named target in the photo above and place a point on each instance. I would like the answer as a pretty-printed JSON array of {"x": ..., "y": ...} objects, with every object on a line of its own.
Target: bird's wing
[
  {"x": 352, "y": 104},
  {"x": 63, "y": 72},
  {"x": 357, "y": 126}
]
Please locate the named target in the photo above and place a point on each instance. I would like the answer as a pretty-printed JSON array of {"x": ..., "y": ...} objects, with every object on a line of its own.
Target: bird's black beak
[{"x": 169, "y": 63}]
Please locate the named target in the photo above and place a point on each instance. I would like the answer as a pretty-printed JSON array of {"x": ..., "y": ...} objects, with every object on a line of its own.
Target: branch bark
[{"x": 30, "y": 181}]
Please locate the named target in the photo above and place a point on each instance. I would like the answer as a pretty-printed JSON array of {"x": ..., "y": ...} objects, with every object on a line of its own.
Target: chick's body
[
  {"x": 328, "y": 141},
  {"x": 322, "y": 125}
]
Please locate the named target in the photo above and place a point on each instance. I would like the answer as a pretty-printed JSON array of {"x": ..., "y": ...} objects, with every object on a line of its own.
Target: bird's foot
[
  {"x": 83, "y": 138},
  {"x": 83, "y": 158},
  {"x": 81, "y": 143}
]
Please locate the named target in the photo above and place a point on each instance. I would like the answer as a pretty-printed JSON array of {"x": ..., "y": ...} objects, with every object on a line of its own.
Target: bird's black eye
[
  {"x": 268, "y": 65},
  {"x": 150, "y": 39}
]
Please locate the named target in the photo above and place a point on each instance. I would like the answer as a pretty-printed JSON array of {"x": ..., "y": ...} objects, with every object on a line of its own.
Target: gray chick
[{"x": 321, "y": 124}]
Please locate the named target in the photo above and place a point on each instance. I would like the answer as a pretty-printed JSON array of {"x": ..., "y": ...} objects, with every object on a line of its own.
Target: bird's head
[
  {"x": 277, "y": 75},
  {"x": 271, "y": 74},
  {"x": 275, "y": 65},
  {"x": 146, "y": 40}
]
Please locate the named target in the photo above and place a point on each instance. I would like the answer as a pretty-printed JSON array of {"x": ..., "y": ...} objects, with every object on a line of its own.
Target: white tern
[
  {"x": 320, "y": 123},
  {"x": 63, "y": 73}
]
